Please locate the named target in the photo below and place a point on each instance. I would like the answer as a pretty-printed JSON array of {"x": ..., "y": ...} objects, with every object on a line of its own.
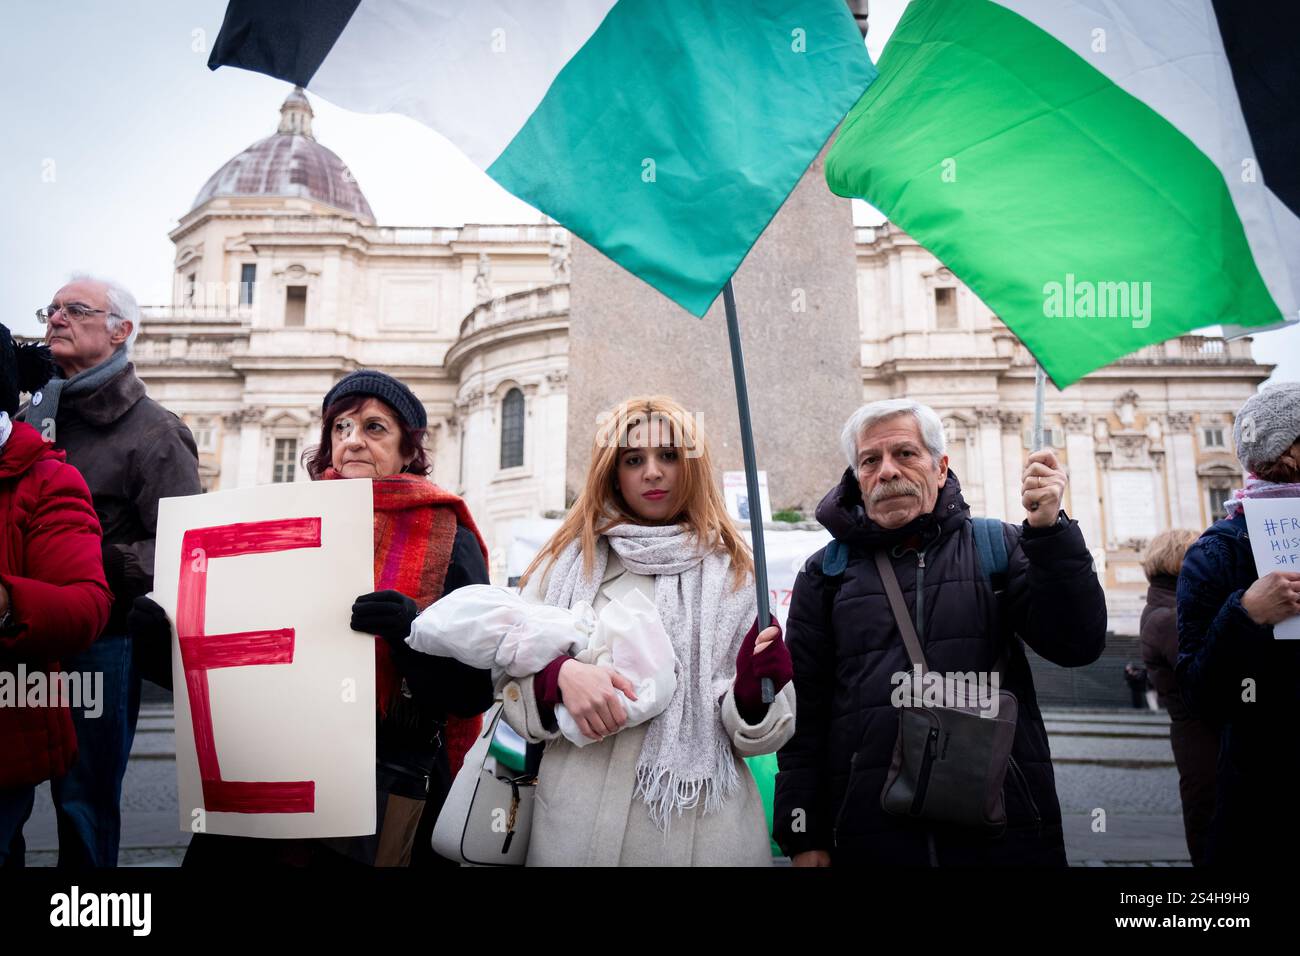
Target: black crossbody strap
[{"x": 899, "y": 607}]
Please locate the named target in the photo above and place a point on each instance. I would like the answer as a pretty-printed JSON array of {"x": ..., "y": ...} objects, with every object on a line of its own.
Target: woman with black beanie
[{"x": 426, "y": 545}]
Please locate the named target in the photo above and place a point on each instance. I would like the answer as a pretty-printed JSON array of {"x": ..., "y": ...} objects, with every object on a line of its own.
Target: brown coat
[
  {"x": 132, "y": 452},
  {"x": 1195, "y": 742}
]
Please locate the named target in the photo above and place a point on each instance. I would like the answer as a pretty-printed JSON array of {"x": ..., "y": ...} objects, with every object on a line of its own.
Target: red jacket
[{"x": 52, "y": 569}]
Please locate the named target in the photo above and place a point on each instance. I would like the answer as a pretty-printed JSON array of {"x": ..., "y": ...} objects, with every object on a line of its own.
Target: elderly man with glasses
[{"x": 132, "y": 452}]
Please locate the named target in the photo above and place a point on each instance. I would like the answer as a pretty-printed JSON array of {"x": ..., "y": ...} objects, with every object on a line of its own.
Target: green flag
[{"x": 1083, "y": 175}]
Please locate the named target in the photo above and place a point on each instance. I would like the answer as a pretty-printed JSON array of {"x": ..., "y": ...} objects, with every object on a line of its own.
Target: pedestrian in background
[
  {"x": 1135, "y": 675},
  {"x": 132, "y": 452},
  {"x": 1195, "y": 742}
]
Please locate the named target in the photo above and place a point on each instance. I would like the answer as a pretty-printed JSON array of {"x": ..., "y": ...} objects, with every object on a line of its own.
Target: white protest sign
[
  {"x": 1274, "y": 528},
  {"x": 786, "y": 552},
  {"x": 735, "y": 493},
  {"x": 274, "y": 692}
]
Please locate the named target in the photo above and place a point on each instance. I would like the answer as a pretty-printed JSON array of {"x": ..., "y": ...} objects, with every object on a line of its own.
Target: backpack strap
[
  {"x": 990, "y": 547},
  {"x": 991, "y": 555},
  {"x": 835, "y": 559}
]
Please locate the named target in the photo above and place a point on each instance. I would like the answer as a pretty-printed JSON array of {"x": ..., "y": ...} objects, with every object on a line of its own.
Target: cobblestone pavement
[{"x": 1116, "y": 762}]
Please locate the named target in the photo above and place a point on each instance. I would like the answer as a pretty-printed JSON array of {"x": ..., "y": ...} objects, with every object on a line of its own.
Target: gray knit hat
[
  {"x": 368, "y": 381},
  {"x": 1267, "y": 425}
]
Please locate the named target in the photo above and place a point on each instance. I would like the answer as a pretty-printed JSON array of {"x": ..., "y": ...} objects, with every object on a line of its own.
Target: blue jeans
[
  {"x": 15, "y": 808},
  {"x": 87, "y": 800}
]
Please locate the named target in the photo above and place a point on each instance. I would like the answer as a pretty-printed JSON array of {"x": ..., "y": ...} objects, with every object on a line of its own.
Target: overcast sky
[{"x": 114, "y": 123}]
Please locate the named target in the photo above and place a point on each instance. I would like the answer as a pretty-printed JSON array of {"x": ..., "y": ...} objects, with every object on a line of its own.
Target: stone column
[
  {"x": 553, "y": 468},
  {"x": 250, "y": 446},
  {"x": 1013, "y": 462},
  {"x": 231, "y": 444},
  {"x": 1084, "y": 494},
  {"x": 1180, "y": 472},
  {"x": 990, "y": 453}
]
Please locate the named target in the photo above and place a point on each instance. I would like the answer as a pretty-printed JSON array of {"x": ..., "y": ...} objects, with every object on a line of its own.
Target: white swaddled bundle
[{"x": 493, "y": 627}]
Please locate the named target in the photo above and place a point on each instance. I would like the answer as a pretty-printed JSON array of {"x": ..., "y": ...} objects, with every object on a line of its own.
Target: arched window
[{"x": 512, "y": 429}]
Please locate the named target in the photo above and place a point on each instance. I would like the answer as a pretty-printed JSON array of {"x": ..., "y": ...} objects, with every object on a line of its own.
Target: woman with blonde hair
[
  {"x": 673, "y": 790},
  {"x": 1195, "y": 742}
]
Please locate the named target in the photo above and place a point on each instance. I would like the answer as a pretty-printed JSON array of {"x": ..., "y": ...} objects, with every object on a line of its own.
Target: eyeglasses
[{"x": 73, "y": 311}]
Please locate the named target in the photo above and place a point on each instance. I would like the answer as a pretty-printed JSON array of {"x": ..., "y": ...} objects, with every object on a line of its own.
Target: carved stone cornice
[
  {"x": 988, "y": 416},
  {"x": 1178, "y": 422},
  {"x": 1076, "y": 422}
]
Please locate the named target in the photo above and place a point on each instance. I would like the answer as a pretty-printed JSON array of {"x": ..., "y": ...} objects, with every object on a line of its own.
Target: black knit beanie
[
  {"x": 23, "y": 368},
  {"x": 367, "y": 381}
]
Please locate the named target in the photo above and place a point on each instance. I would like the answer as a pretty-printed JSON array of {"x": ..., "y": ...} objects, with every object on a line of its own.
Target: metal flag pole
[
  {"x": 751, "y": 471},
  {"x": 1040, "y": 386}
]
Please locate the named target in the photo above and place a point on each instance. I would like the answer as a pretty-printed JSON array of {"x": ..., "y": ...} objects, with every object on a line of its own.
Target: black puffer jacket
[
  {"x": 1234, "y": 673},
  {"x": 846, "y": 646}
]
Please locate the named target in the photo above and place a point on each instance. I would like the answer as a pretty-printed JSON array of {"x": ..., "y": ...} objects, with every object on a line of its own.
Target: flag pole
[
  {"x": 1040, "y": 386},
  {"x": 751, "y": 471}
]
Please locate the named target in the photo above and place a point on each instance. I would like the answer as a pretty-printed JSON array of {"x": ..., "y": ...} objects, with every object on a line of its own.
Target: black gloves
[
  {"x": 386, "y": 613},
  {"x": 151, "y": 641}
]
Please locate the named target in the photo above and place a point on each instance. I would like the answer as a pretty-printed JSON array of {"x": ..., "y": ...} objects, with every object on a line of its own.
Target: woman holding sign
[
  {"x": 1232, "y": 668},
  {"x": 426, "y": 545},
  {"x": 672, "y": 790}
]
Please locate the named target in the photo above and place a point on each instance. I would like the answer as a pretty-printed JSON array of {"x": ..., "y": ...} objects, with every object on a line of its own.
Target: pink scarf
[{"x": 1259, "y": 488}]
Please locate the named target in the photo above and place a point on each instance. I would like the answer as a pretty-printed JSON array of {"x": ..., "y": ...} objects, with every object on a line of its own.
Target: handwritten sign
[
  {"x": 275, "y": 693},
  {"x": 1274, "y": 528}
]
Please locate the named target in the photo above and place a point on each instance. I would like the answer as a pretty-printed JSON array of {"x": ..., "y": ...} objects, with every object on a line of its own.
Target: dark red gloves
[
  {"x": 750, "y": 670},
  {"x": 546, "y": 685}
]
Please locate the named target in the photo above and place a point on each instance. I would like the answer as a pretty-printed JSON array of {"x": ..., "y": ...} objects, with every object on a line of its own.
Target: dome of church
[{"x": 290, "y": 163}]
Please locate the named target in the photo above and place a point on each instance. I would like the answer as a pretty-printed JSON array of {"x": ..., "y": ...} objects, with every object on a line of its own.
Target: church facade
[{"x": 284, "y": 283}]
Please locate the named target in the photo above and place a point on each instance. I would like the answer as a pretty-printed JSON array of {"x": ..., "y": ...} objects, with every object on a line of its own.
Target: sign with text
[
  {"x": 736, "y": 494},
  {"x": 275, "y": 693},
  {"x": 1274, "y": 528}
]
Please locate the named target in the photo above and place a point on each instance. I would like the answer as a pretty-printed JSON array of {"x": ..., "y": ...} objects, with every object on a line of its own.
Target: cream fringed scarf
[{"x": 686, "y": 760}]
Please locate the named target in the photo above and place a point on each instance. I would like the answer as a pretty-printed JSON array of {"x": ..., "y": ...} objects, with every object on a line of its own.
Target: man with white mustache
[{"x": 899, "y": 498}]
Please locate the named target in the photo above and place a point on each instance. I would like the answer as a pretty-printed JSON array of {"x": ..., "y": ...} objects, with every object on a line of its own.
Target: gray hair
[
  {"x": 872, "y": 412},
  {"x": 121, "y": 305}
]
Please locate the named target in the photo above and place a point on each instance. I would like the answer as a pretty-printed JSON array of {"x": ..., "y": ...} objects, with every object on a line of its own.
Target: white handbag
[{"x": 488, "y": 815}]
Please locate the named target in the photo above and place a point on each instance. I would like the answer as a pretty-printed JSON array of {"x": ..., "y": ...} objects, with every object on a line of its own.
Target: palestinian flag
[
  {"x": 666, "y": 133},
  {"x": 1103, "y": 174}
]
